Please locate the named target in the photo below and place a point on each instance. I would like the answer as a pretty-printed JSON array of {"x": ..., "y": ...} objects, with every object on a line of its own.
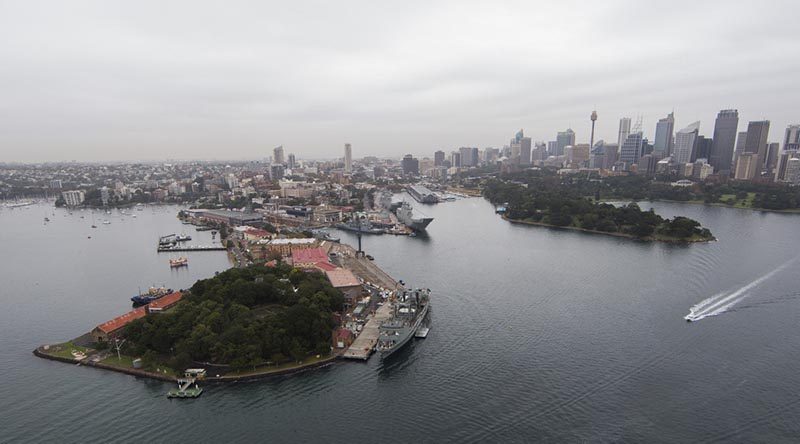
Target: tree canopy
[
  {"x": 544, "y": 197},
  {"x": 244, "y": 317}
]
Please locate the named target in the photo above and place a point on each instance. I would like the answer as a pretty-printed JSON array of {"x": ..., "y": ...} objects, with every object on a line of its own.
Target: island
[{"x": 547, "y": 199}]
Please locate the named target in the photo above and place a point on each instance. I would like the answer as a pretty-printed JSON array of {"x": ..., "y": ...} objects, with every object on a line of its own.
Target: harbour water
[{"x": 537, "y": 335}]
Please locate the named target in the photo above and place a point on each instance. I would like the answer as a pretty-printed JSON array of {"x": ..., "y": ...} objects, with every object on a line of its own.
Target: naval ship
[
  {"x": 405, "y": 215},
  {"x": 410, "y": 310}
]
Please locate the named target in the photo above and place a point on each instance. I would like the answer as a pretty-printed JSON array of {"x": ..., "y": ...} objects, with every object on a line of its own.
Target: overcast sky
[{"x": 129, "y": 80}]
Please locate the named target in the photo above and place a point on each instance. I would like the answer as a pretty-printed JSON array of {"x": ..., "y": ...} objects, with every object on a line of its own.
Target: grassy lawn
[
  {"x": 730, "y": 199},
  {"x": 274, "y": 368},
  {"x": 65, "y": 350}
]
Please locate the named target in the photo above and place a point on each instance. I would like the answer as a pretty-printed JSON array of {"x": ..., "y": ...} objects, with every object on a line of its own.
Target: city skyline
[{"x": 157, "y": 84}]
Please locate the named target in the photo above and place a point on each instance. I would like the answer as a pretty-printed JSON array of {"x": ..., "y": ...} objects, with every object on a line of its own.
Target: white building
[
  {"x": 73, "y": 198},
  {"x": 348, "y": 158},
  {"x": 685, "y": 141}
]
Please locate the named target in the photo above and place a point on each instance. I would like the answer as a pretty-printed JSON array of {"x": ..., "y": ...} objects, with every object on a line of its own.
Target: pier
[
  {"x": 364, "y": 344},
  {"x": 165, "y": 249}
]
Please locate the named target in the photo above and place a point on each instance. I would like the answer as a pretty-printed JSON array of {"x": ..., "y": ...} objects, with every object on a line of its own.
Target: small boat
[
  {"x": 422, "y": 332},
  {"x": 94, "y": 226},
  {"x": 47, "y": 219},
  {"x": 106, "y": 222},
  {"x": 179, "y": 262}
]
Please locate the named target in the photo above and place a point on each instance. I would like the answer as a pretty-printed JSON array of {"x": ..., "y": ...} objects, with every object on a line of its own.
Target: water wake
[{"x": 723, "y": 302}]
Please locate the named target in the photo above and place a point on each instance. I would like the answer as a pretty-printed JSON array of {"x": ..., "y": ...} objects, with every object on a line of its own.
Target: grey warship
[
  {"x": 405, "y": 214},
  {"x": 410, "y": 310}
]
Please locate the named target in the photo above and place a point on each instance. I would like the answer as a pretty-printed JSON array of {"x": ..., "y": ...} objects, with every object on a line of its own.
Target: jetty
[
  {"x": 169, "y": 249},
  {"x": 364, "y": 344}
]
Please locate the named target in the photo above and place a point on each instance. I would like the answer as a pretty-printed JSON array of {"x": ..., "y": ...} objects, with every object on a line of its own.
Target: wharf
[
  {"x": 365, "y": 343},
  {"x": 363, "y": 267},
  {"x": 191, "y": 248}
]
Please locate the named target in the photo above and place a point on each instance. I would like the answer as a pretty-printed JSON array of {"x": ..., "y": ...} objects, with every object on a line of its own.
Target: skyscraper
[
  {"x": 525, "y": 151},
  {"x": 631, "y": 148},
  {"x": 685, "y": 143},
  {"x": 563, "y": 139},
  {"x": 721, "y": 157},
  {"x": 771, "y": 160},
  {"x": 277, "y": 155},
  {"x": 410, "y": 164},
  {"x": 466, "y": 157},
  {"x": 757, "y": 133},
  {"x": 292, "y": 161},
  {"x": 662, "y": 146},
  {"x": 438, "y": 158},
  {"x": 791, "y": 140},
  {"x": 624, "y": 130},
  {"x": 348, "y": 158},
  {"x": 702, "y": 148}
]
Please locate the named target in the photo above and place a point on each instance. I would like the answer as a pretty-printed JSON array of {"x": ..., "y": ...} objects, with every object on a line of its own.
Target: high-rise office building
[
  {"x": 410, "y": 165},
  {"x": 662, "y": 146},
  {"x": 791, "y": 140},
  {"x": 703, "y": 148},
  {"x": 564, "y": 139},
  {"x": 724, "y": 140},
  {"x": 624, "y": 130},
  {"x": 747, "y": 166},
  {"x": 525, "y": 151},
  {"x": 685, "y": 143},
  {"x": 631, "y": 148},
  {"x": 552, "y": 147},
  {"x": 455, "y": 159},
  {"x": 741, "y": 141},
  {"x": 611, "y": 152},
  {"x": 348, "y": 158},
  {"x": 277, "y": 155},
  {"x": 757, "y": 133},
  {"x": 292, "y": 162},
  {"x": 466, "y": 157},
  {"x": 771, "y": 160},
  {"x": 438, "y": 158}
]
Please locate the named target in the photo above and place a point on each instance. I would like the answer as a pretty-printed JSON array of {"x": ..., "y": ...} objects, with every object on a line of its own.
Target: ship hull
[{"x": 409, "y": 334}]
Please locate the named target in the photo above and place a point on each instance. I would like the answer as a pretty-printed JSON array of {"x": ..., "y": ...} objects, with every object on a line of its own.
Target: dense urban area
[{"x": 298, "y": 298}]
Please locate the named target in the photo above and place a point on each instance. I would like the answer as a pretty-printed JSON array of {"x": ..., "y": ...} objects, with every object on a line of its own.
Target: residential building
[
  {"x": 73, "y": 198},
  {"x": 348, "y": 158},
  {"x": 277, "y": 155}
]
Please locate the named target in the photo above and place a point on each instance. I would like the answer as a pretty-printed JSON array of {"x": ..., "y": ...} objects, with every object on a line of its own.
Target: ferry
[{"x": 179, "y": 262}]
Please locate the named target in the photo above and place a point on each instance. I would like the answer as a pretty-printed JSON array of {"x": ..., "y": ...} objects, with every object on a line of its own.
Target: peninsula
[{"x": 546, "y": 199}]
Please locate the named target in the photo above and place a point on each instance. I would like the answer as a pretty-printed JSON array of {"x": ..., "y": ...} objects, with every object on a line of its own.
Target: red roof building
[
  {"x": 111, "y": 329},
  {"x": 164, "y": 302},
  {"x": 307, "y": 257}
]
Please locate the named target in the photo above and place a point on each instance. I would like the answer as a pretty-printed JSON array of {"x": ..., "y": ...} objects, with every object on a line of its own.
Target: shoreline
[
  {"x": 700, "y": 202},
  {"x": 615, "y": 234},
  {"x": 223, "y": 379}
]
